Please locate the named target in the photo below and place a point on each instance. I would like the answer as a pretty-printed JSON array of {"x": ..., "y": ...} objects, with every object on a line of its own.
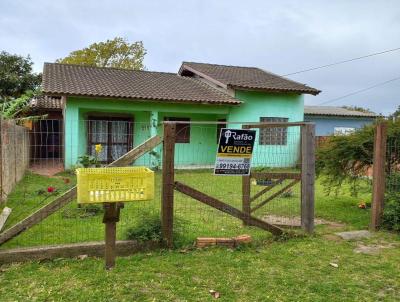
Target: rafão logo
[{"x": 244, "y": 136}]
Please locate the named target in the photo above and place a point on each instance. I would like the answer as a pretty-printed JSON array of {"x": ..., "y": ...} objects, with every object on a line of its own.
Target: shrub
[
  {"x": 393, "y": 182},
  {"x": 346, "y": 158},
  {"x": 391, "y": 212},
  {"x": 148, "y": 228}
]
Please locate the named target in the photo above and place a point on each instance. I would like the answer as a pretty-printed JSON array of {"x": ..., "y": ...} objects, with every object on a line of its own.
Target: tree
[
  {"x": 19, "y": 109},
  {"x": 346, "y": 158},
  {"x": 117, "y": 52},
  {"x": 16, "y": 76},
  {"x": 396, "y": 114}
]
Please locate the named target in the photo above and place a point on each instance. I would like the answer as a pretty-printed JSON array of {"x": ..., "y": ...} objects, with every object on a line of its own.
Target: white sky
[{"x": 279, "y": 36}]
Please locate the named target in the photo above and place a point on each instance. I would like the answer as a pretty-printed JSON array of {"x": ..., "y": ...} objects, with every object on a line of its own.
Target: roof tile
[
  {"x": 246, "y": 78},
  {"x": 78, "y": 80}
]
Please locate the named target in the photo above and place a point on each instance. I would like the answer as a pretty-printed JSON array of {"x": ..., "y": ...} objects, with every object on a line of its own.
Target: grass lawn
[{"x": 267, "y": 270}]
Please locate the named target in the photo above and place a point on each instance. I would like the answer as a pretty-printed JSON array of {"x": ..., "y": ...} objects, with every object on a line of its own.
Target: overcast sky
[{"x": 279, "y": 36}]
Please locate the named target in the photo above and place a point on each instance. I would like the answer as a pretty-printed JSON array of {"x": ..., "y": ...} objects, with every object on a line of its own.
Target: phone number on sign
[{"x": 232, "y": 166}]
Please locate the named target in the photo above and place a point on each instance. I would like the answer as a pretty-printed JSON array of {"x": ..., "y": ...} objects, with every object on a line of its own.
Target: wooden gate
[{"x": 249, "y": 203}]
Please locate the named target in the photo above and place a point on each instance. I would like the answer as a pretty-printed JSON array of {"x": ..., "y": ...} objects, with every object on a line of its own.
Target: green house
[{"x": 120, "y": 109}]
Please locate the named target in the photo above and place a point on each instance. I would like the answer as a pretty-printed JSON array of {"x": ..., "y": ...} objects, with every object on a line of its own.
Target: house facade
[
  {"x": 331, "y": 120},
  {"x": 122, "y": 108}
]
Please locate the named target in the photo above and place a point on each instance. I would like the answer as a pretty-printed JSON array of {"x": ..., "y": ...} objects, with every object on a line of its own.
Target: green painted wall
[
  {"x": 261, "y": 104},
  {"x": 203, "y": 138},
  {"x": 145, "y": 115}
]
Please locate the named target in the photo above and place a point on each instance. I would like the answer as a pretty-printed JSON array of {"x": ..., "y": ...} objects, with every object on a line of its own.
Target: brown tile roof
[
  {"x": 248, "y": 78},
  {"x": 77, "y": 80},
  {"x": 336, "y": 111},
  {"x": 47, "y": 102}
]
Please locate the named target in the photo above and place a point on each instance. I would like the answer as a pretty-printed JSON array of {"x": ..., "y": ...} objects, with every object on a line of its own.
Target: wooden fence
[
  {"x": 14, "y": 155},
  {"x": 306, "y": 177}
]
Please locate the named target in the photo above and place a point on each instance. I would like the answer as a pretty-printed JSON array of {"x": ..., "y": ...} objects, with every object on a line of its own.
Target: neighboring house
[
  {"x": 121, "y": 108},
  {"x": 331, "y": 120}
]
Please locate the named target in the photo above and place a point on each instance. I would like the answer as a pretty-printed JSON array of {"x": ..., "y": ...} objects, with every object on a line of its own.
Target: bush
[
  {"x": 148, "y": 228},
  {"x": 393, "y": 182},
  {"x": 346, "y": 158},
  {"x": 84, "y": 211},
  {"x": 391, "y": 212}
]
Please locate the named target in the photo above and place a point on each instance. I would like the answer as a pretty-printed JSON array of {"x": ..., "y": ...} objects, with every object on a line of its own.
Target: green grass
[
  {"x": 267, "y": 270},
  {"x": 295, "y": 270},
  {"x": 200, "y": 220}
]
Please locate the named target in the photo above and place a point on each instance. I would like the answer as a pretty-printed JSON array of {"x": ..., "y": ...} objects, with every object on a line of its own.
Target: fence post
[
  {"x": 378, "y": 170},
  {"x": 246, "y": 197},
  {"x": 167, "y": 202},
  {"x": 307, "y": 177}
]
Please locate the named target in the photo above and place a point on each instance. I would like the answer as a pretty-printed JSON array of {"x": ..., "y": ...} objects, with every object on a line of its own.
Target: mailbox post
[{"x": 113, "y": 187}]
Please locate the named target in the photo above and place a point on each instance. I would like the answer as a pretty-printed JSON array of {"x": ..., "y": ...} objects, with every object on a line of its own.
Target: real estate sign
[{"x": 235, "y": 148}]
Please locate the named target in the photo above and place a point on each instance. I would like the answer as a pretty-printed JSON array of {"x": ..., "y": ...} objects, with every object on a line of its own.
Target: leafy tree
[
  {"x": 16, "y": 76},
  {"x": 18, "y": 109},
  {"x": 117, "y": 52},
  {"x": 396, "y": 114}
]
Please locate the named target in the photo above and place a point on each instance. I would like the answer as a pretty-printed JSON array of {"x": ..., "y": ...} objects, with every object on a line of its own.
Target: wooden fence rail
[{"x": 68, "y": 196}]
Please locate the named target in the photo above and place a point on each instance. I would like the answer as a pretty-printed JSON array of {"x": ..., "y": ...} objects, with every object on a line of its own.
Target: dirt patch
[{"x": 372, "y": 249}]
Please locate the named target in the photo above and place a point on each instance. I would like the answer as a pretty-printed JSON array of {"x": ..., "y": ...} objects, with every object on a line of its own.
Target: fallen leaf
[
  {"x": 334, "y": 264},
  {"x": 214, "y": 293}
]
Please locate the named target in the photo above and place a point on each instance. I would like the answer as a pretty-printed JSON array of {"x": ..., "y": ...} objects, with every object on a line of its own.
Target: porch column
[{"x": 155, "y": 155}]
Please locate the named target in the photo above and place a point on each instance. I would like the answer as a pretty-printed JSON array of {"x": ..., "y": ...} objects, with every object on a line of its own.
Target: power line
[
  {"x": 359, "y": 91},
  {"x": 341, "y": 62}
]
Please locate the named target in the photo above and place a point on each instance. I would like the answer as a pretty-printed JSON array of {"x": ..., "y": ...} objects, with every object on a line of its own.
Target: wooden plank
[
  {"x": 111, "y": 216},
  {"x": 307, "y": 177},
  {"x": 226, "y": 208},
  {"x": 38, "y": 216},
  {"x": 91, "y": 249},
  {"x": 265, "y": 190},
  {"x": 275, "y": 195},
  {"x": 136, "y": 152},
  {"x": 246, "y": 197},
  {"x": 167, "y": 201},
  {"x": 378, "y": 183},
  {"x": 64, "y": 199},
  {"x": 3, "y": 216},
  {"x": 275, "y": 175}
]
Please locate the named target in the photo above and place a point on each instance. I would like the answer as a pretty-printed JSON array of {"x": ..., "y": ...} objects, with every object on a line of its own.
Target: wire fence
[
  {"x": 56, "y": 151},
  {"x": 275, "y": 150},
  {"x": 393, "y": 165}
]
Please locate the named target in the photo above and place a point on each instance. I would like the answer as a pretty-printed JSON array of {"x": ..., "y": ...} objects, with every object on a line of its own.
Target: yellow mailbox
[{"x": 100, "y": 185}]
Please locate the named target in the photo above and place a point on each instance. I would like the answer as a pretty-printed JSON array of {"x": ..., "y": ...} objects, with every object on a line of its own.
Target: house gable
[{"x": 243, "y": 78}]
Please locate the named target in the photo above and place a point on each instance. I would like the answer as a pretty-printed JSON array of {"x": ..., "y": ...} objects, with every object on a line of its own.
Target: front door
[{"x": 114, "y": 134}]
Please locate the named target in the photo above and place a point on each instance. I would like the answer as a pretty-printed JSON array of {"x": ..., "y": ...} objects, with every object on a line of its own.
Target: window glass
[{"x": 273, "y": 136}]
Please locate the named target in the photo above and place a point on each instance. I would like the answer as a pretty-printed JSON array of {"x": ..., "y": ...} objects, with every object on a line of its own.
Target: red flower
[{"x": 51, "y": 189}]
